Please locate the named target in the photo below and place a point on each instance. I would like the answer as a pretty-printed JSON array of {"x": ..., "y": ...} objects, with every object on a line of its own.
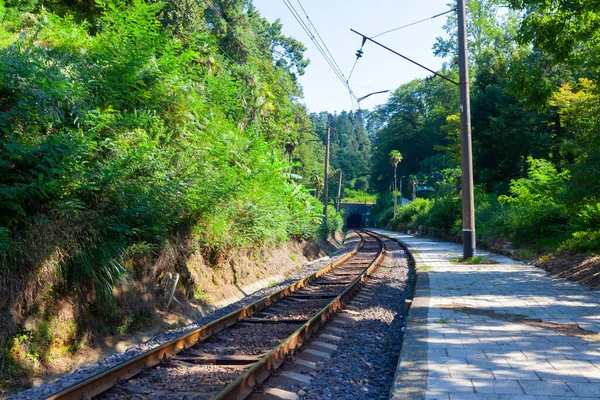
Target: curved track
[{"x": 229, "y": 357}]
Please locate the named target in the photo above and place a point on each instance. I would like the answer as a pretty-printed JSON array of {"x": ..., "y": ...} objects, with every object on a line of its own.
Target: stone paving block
[
  {"x": 515, "y": 374},
  {"x": 495, "y": 363},
  {"x": 472, "y": 373},
  {"x": 572, "y": 398},
  {"x": 563, "y": 375},
  {"x": 546, "y": 388},
  {"x": 588, "y": 389},
  {"x": 497, "y": 387},
  {"x": 450, "y": 385},
  {"x": 466, "y": 352},
  {"x": 480, "y": 396},
  {"x": 437, "y": 395}
]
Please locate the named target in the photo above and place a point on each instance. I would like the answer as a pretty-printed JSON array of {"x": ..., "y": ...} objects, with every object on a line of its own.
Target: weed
[
  {"x": 202, "y": 296},
  {"x": 441, "y": 321},
  {"x": 525, "y": 254},
  {"x": 473, "y": 260}
]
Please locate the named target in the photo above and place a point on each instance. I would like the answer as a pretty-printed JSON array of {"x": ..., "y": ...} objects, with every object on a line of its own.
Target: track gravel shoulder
[
  {"x": 363, "y": 364},
  {"x": 81, "y": 374}
]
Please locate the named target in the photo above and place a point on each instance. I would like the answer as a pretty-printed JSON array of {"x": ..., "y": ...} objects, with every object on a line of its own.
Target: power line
[
  {"x": 359, "y": 52},
  {"x": 406, "y": 58},
  {"x": 317, "y": 44},
  {"x": 306, "y": 29},
  {"x": 321, "y": 46},
  {"x": 319, "y": 35},
  {"x": 352, "y": 70},
  {"x": 414, "y": 23}
]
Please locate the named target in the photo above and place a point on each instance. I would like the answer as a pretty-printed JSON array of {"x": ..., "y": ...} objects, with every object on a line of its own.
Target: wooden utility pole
[
  {"x": 326, "y": 183},
  {"x": 339, "y": 196},
  {"x": 468, "y": 203}
]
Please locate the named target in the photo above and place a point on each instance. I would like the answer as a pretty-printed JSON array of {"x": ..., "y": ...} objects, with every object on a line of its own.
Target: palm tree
[{"x": 395, "y": 158}]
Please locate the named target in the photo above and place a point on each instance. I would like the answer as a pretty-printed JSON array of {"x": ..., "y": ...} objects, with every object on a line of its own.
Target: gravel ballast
[
  {"x": 364, "y": 363},
  {"x": 86, "y": 372}
]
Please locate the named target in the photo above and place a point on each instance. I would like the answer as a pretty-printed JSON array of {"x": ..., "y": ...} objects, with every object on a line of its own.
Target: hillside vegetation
[
  {"x": 536, "y": 149},
  {"x": 132, "y": 135}
]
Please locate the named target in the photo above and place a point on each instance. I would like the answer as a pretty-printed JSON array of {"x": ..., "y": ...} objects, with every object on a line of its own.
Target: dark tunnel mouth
[{"x": 354, "y": 221}]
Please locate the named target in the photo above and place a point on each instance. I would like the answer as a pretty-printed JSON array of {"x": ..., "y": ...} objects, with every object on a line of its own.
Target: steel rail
[
  {"x": 245, "y": 384},
  {"x": 104, "y": 380}
]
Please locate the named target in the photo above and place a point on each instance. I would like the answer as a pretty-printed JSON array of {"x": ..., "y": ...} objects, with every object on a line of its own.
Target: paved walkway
[{"x": 496, "y": 331}]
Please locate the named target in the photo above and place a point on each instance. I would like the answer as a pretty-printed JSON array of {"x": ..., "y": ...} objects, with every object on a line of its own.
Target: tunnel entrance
[{"x": 354, "y": 221}]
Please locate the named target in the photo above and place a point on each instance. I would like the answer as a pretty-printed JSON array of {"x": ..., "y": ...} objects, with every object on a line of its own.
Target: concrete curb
[{"x": 410, "y": 378}]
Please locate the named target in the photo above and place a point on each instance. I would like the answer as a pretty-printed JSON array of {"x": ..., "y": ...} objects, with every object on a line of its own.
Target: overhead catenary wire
[
  {"x": 352, "y": 70},
  {"x": 312, "y": 37},
  {"x": 319, "y": 36},
  {"x": 359, "y": 52},
  {"x": 406, "y": 58},
  {"x": 320, "y": 44},
  {"x": 414, "y": 23}
]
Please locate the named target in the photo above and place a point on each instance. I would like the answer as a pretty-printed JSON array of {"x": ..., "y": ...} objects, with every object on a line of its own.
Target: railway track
[{"x": 230, "y": 357}]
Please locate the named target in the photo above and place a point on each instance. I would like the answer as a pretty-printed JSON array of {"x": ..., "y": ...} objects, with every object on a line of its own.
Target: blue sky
[{"x": 377, "y": 69}]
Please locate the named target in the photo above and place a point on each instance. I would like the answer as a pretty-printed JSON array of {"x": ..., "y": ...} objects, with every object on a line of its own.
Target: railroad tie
[
  {"x": 274, "y": 394},
  {"x": 290, "y": 378}
]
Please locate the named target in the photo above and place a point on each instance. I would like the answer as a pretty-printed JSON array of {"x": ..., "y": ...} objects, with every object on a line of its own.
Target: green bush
[
  {"x": 358, "y": 196},
  {"x": 581, "y": 242},
  {"x": 335, "y": 223},
  {"x": 445, "y": 214},
  {"x": 538, "y": 217},
  {"x": 411, "y": 215},
  {"x": 116, "y": 136}
]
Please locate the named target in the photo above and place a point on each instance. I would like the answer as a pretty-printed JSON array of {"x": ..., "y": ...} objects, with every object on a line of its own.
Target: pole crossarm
[
  {"x": 371, "y": 94},
  {"x": 365, "y": 37}
]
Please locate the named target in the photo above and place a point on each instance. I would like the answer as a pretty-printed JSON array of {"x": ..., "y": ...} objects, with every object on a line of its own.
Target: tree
[
  {"x": 413, "y": 180},
  {"x": 395, "y": 158},
  {"x": 567, "y": 29},
  {"x": 317, "y": 181}
]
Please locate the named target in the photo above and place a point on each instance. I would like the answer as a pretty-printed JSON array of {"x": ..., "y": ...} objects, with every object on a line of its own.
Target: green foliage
[
  {"x": 411, "y": 215},
  {"x": 581, "y": 242},
  {"x": 534, "y": 130},
  {"x": 123, "y": 125},
  {"x": 537, "y": 215},
  {"x": 395, "y": 157},
  {"x": 335, "y": 223},
  {"x": 358, "y": 196},
  {"x": 350, "y": 145},
  {"x": 412, "y": 122},
  {"x": 568, "y": 29}
]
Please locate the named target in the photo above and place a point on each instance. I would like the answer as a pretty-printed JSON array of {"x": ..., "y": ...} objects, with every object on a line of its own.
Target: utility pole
[
  {"x": 326, "y": 183},
  {"x": 339, "y": 196},
  {"x": 468, "y": 203}
]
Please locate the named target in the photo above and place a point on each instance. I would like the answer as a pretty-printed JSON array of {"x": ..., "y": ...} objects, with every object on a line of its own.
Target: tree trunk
[{"x": 395, "y": 192}]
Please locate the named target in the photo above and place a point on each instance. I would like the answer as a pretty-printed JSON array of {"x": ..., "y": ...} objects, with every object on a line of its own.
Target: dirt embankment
[
  {"x": 50, "y": 345},
  {"x": 579, "y": 268}
]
